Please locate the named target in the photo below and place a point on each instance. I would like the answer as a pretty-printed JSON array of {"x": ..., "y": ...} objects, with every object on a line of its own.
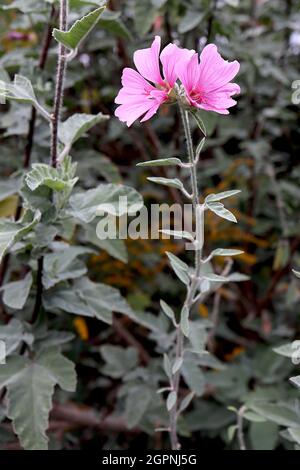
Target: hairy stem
[
  {"x": 240, "y": 431},
  {"x": 198, "y": 212},
  {"x": 60, "y": 78},
  {"x": 31, "y": 129},
  {"x": 61, "y": 69}
]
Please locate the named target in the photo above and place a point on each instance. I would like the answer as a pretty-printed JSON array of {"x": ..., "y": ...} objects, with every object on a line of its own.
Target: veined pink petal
[
  {"x": 135, "y": 106},
  {"x": 207, "y": 84},
  {"x": 170, "y": 56},
  {"x": 214, "y": 70},
  {"x": 147, "y": 62},
  {"x": 134, "y": 85},
  {"x": 188, "y": 72}
]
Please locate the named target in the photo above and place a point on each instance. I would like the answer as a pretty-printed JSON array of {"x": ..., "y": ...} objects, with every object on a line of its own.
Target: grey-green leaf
[
  {"x": 30, "y": 386},
  {"x": 79, "y": 30},
  {"x": 219, "y": 209},
  {"x": 44, "y": 175},
  {"x": 218, "y": 197},
  {"x": 11, "y": 232},
  {"x": 76, "y": 125},
  {"x": 87, "y": 298},
  {"x": 180, "y": 268},
  {"x": 114, "y": 199},
  {"x": 184, "y": 321},
  {"x": 171, "y": 400},
  {"x": 16, "y": 293},
  {"x": 172, "y": 161}
]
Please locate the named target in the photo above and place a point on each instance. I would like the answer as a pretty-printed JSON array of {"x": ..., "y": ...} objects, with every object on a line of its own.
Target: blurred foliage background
[{"x": 255, "y": 149}]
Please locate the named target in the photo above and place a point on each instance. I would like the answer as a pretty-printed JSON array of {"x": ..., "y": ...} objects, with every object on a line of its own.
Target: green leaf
[
  {"x": 214, "y": 277},
  {"x": 30, "y": 386},
  {"x": 295, "y": 434},
  {"x": 197, "y": 337},
  {"x": 44, "y": 175},
  {"x": 26, "y": 6},
  {"x": 190, "y": 21},
  {"x": 79, "y": 30},
  {"x": 295, "y": 381},
  {"x": 114, "y": 247},
  {"x": 16, "y": 293},
  {"x": 136, "y": 404},
  {"x": 177, "y": 365},
  {"x": 118, "y": 361},
  {"x": 162, "y": 162},
  {"x": 63, "y": 264},
  {"x": 13, "y": 334},
  {"x": 171, "y": 400},
  {"x": 186, "y": 402},
  {"x": 278, "y": 413},
  {"x": 144, "y": 16},
  {"x": 199, "y": 148},
  {"x": 286, "y": 350},
  {"x": 12, "y": 232},
  {"x": 74, "y": 127},
  {"x": 106, "y": 198},
  {"x": 158, "y": 3},
  {"x": 253, "y": 417},
  {"x": 218, "y": 197},
  {"x": 180, "y": 268},
  {"x": 237, "y": 277},
  {"x": 219, "y": 209},
  {"x": 297, "y": 273},
  {"x": 225, "y": 252},
  {"x": 193, "y": 375},
  {"x": 170, "y": 182},
  {"x": 111, "y": 22},
  {"x": 184, "y": 321},
  {"x": 87, "y": 298},
  {"x": 167, "y": 366},
  {"x": 21, "y": 90},
  {"x": 178, "y": 234},
  {"x": 168, "y": 311},
  {"x": 8, "y": 187},
  {"x": 199, "y": 121},
  {"x": 263, "y": 436}
]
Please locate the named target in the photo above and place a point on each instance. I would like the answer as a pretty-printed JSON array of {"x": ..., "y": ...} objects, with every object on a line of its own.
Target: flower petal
[
  {"x": 170, "y": 56},
  {"x": 188, "y": 72},
  {"x": 215, "y": 72},
  {"x": 147, "y": 62},
  {"x": 135, "y": 106}
]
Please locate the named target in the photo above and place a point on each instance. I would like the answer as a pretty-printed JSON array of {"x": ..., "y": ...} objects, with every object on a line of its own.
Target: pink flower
[
  {"x": 207, "y": 83},
  {"x": 138, "y": 97}
]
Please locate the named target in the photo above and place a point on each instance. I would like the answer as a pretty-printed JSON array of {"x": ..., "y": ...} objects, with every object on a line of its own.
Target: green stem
[{"x": 198, "y": 212}]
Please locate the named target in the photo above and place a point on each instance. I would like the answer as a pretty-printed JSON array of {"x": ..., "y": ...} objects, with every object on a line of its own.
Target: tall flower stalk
[
  {"x": 60, "y": 78},
  {"x": 194, "y": 85},
  {"x": 198, "y": 215}
]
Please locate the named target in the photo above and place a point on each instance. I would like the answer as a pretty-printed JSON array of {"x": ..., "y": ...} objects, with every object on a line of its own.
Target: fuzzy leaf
[
  {"x": 106, "y": 198},
  {"x": 162, "y": 162},
  {"x": 11, "y": 232},
  {"x": 79, "y": 30},
  {"x": 180, "y": 268},
  {"x": 15, "y": 293},
  {"x": 74, "y": 127},
  {"x": 30, "y": 386}
]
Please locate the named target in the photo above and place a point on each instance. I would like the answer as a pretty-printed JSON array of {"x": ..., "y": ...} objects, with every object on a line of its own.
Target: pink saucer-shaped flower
[
  {"x": 139, "y": 98},
  {"x": 207, "y": 84}
]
